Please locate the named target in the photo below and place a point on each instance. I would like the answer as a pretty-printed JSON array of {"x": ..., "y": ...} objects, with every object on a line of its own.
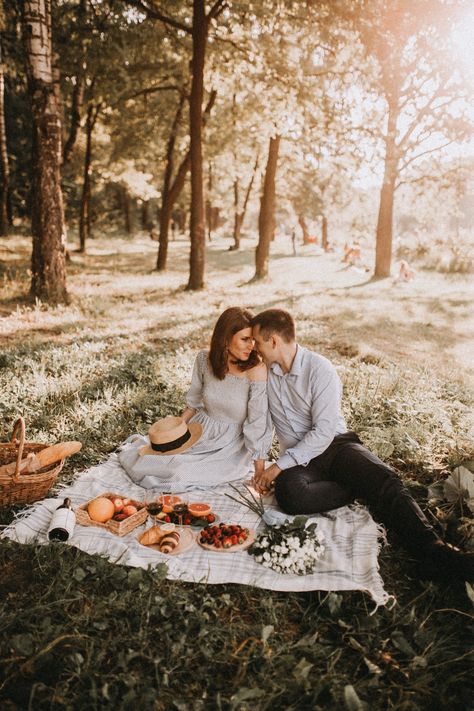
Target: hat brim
[{"x": 195, "y": 429}]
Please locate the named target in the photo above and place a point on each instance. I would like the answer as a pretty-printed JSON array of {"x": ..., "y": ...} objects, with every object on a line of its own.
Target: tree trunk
[
  {"x": 166, "y": 201},
  {"x": 145, "y": 212},
  {"x": 84, "y": 218},
  {"x": 324, "y": 233},
  {"x": 197, "y": 231},
  {"x": 266, "y": 218},
  {"x": 302, "y": 224},
  {"x": 383, "y": 245},
  {"x": 78, "y": 91},
  {"x": 172, "y": 193},
  {"x": 5, "y": 187},
  {"x": 240, "y": 216},
  {"x": 48, "y": 259},
  {"x": 126, "y": 210}
]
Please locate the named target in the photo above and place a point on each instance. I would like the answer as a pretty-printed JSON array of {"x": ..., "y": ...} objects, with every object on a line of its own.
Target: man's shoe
[{"x": 442, "y": 561}]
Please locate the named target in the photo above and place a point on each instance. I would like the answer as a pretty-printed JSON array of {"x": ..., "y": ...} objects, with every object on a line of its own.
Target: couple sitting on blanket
[{"x": 254, "y": 375}]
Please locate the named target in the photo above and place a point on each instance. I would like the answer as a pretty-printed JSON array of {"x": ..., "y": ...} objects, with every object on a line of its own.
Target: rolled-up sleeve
[
  {"x": 194, "y": 394},
  {"x": 257, "y": 428},
  {"x": 326, "y": 393}
]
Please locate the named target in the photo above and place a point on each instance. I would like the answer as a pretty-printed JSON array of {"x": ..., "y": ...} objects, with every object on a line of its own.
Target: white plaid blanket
[{"x": 352, "y": 540}]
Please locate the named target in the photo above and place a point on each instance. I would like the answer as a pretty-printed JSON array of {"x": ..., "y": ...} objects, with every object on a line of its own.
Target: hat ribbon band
[{"x": 166, "y": 446}]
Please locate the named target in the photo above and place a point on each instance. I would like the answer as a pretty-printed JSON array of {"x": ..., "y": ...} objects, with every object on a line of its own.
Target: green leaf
[
  {"x": 351, "y": 699},
  {"x": 301, "y": 670},
  {"x": 23, "y": 644},
  {"x": 470, "y": 592},
  {"x": 267, "y": 631}
]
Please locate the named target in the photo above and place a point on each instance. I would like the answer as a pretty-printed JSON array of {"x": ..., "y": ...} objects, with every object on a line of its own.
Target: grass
[{"x": 80, "y": 633}]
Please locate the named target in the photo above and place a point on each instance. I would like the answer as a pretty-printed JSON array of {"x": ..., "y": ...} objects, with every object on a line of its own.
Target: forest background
[{"x": 159, "y": 162}]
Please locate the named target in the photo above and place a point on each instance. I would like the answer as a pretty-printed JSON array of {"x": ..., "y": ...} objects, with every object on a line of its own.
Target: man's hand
[{"x": 264, "y": 481}]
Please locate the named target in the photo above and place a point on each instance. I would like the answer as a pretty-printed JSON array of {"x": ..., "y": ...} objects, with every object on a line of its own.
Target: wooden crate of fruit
[{"x": 120, "y": 516}]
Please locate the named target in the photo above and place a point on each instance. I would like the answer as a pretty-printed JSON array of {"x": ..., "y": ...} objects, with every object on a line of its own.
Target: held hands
[{"x": 264, "y": 479}]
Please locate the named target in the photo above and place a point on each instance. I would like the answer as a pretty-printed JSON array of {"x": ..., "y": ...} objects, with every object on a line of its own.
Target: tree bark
[
  {"x": 266, "y": 219},
  {"x": 384, "y": 234},
  {"x": 197, "y": 231},
  {"x": 49, "y": 234},
  {"x": 5, "y": 187},
  {"x": 126, "y": 210}
]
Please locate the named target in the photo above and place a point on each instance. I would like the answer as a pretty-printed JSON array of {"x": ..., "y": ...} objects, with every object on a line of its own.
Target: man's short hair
[{"x": 275, "y": 321}]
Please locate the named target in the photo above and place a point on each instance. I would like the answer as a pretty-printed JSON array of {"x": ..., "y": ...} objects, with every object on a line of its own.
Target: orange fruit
[
  {"x": 199, "y": 510},
  {"x": 168, "y": 501},
  {"x": 101, "y": 509}
]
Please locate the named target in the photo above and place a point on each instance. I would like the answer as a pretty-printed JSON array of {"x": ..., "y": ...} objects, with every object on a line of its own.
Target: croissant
[
  {"x": 169, "y": 542},
  {"x": 152, "y": 535}
]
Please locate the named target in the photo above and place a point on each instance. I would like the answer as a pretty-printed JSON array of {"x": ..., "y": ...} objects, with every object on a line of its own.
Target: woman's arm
[{"x": 188, "y": 413}]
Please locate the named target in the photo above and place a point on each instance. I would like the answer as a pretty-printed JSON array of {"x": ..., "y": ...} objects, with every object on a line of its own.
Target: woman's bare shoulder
[{"x": 257, "y": 374}]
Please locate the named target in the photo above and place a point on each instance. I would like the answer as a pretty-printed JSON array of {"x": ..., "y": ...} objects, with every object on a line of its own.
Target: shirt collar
[{"x": 296, "y": 366}]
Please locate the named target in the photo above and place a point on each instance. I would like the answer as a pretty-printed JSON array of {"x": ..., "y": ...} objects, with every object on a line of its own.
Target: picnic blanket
[{"x": 352, "y": 540}]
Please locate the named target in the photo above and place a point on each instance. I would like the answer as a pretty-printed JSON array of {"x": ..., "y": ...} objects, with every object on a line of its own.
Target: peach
[
  {"x": 129, "y": 510},
  {"x": 118, "y": 504}
]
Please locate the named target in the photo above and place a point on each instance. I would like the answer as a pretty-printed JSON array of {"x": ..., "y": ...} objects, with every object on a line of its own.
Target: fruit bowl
[{"x": 126, "y": 513}]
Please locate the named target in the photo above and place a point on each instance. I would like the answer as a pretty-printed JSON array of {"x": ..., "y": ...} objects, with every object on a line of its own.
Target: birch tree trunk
[
  {"x": 266, "y": 218},
  {"x": 5, "y": 185},
  {"x": 197, "y": 231},
  {"x": 48, "y": 268}
]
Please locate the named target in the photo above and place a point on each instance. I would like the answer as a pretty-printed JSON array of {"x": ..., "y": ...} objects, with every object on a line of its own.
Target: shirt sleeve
[
  {"x": 326, "y": 392},
  {"x": 257, "y": 428},
  {"x": 194, "y": 394}
]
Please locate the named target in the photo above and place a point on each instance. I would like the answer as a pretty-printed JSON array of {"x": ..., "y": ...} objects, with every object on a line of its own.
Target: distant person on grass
[
  {"x": 323, "y": 466},
  {"x": 224, "y": 433}
]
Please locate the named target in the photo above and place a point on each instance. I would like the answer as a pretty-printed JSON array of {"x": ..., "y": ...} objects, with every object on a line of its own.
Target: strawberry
[
  {"x": 227, "y": 543},
  {"x": 210, "y": 518},
  {"x": 241, "y": 540},
  {"x": 217, "y": 544},
  {"x": 234, "y": 539},
  {"x": 167, "y": 519}
]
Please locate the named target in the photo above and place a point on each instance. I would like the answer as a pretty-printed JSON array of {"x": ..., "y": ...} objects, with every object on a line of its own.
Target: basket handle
[{"x": 19, "y": 424}]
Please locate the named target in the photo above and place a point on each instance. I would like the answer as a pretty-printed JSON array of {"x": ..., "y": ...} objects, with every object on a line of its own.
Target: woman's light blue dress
[{"x": 236, "y": 429}]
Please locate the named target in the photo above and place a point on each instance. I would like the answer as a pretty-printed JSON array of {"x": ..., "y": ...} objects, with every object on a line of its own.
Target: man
[{"x": 323, "y": 466}]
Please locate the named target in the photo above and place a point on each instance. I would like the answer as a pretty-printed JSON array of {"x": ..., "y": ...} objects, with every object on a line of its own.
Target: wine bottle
[{"x": 62, "y": 523}]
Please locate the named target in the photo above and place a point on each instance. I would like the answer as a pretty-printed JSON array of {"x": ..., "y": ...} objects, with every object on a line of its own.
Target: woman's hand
[
  {"x": 264, "y": 480},
  {"x": 187, "y": 414}
]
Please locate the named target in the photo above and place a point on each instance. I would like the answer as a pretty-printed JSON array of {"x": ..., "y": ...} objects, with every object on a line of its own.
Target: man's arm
[{"x": 326, "y": 392}]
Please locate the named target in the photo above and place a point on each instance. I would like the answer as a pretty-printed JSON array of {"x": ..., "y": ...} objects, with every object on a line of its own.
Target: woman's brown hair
[{"x": 230, "y": 322}]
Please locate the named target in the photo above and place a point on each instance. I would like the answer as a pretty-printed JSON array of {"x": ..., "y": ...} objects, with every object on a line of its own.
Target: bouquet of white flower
[{"x": 292, "y": 547}]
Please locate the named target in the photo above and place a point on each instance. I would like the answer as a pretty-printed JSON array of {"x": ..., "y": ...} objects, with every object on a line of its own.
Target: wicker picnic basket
[{"x": 18, "y": 488}]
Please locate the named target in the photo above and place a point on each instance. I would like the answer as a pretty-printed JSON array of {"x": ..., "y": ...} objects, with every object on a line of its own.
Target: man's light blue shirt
[{"x": 305, "y": 405}]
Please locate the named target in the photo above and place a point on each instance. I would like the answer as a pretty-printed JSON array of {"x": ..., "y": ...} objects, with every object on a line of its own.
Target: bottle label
[{"x": 64, "y": 519}]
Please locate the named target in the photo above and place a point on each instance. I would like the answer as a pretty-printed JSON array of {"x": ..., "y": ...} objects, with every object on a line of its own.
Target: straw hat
[{"x": 171, "y": 435}]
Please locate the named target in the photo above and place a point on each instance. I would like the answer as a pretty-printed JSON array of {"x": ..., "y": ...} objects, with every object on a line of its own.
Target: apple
[
  {"x": 119, "y": 504},
  {"x": 120, "y": 517},
  {"x": 129, "y": 510},
  {"x": 126, "y": 501}
]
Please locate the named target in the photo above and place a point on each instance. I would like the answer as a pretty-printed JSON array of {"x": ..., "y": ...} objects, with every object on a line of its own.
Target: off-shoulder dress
[{"x": 236, "y": 429}]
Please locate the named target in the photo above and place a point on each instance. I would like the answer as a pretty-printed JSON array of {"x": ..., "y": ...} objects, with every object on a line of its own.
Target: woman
[{"x": 227, "y": 423}]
